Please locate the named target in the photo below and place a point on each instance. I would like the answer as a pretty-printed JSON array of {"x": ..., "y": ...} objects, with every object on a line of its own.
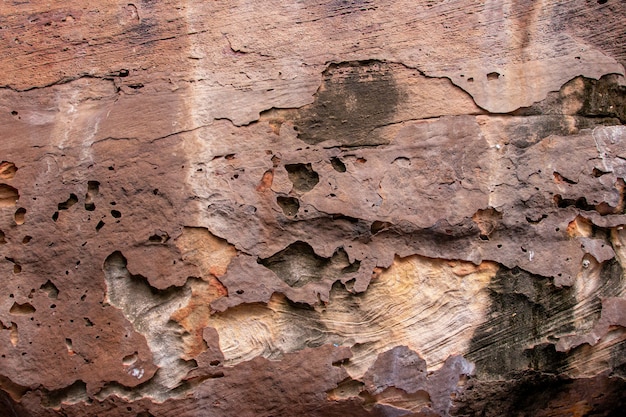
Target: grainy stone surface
[{"x": 337, "y": 208}]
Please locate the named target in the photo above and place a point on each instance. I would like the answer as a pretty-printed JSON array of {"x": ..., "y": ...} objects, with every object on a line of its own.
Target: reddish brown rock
[{"x": 328, "y": 209}]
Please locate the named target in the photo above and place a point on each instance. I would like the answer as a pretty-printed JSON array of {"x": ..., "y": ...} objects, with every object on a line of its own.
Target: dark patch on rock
[
  {"x": 302, "y": 177},
  {"x": 603, "y": 101},
  {"x": 538, "y": 394},
  {"x": 533, "y": 130},
  {"x": 298, "y": 264},
  {"x": 354, "y": 99},
  {"x": 338, "y": 165},
  {"x": 618, "y": 360},
  {"x": 604, "y": 98},
  {"x": 524, "y": 309},
  {"x": 545, "y": 358},
  {"x": 9, "y": 408}
]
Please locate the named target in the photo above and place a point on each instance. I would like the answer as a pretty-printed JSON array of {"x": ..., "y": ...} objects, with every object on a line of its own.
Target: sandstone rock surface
[{"x": 333, "y": 208}]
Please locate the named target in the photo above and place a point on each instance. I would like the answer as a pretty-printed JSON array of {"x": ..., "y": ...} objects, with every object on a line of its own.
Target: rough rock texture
[{"x": 333, "y": 208}]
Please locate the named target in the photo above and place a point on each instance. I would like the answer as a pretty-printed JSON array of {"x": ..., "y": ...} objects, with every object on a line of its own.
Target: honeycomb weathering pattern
[{"x": 339, "y": 208}]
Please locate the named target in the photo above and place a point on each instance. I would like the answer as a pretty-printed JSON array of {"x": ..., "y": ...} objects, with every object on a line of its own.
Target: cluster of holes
[
  {"x": 579, "y": 203},
  {"x": 93, "y": 189},
  {"x": 378, "y": 226},
  {"x": 17, "y": 268},
  {"x": 3, "y": 240},
  {"x": 492, "y": 76},
  {"x": 10, "y": 195}
]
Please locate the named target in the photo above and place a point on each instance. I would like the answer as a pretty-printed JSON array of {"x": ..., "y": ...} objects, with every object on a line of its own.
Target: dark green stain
[{"x": 354, "y": 99}]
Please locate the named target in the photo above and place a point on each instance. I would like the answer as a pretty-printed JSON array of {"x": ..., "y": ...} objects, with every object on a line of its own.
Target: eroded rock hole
[
  {"x": 159, "y": 237},
  {"x": 289, "y": 205},
  {"x": 20, "y": 215},
  {"x": 2, "y": 238},
  {"x": 73, "y": 199},
  {"x": 560, "y": 179},
  {"x": 116, "y": 214},
  {"x": 378, "y": 226},
  {"x": 338, "y": 165},
  {"x": 100, "y": 225},
  {"x": 130, "y": 359},
  {"x": 8, "y": 195},
  {"x": 298, "y": 264},
  {"x": 93, "y": 189},
  {"x": 22, "y": 309},
  {"x": 579, "y": 203},
  {"x": 69, "y": 395},
  {"x": 26, "y": 239},
  {"x": 302, "y": 177},
  {"x": 492, "y": 76},
  {"x": 597, "y": 173},
  {"x": 487, "y": 221},
  {"x": 50, "y": 289},
  {"x": 13, "y": 334},
  {"x": 69, "y": 346},
  {"x": 7, "y": 170}
]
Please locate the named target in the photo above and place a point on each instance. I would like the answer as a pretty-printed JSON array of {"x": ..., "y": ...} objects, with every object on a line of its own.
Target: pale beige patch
[{"x": 431, "y": 305}]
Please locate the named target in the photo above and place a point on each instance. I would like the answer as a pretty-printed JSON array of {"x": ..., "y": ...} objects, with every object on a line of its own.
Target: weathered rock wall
[{"x": 337, "y": 208}]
